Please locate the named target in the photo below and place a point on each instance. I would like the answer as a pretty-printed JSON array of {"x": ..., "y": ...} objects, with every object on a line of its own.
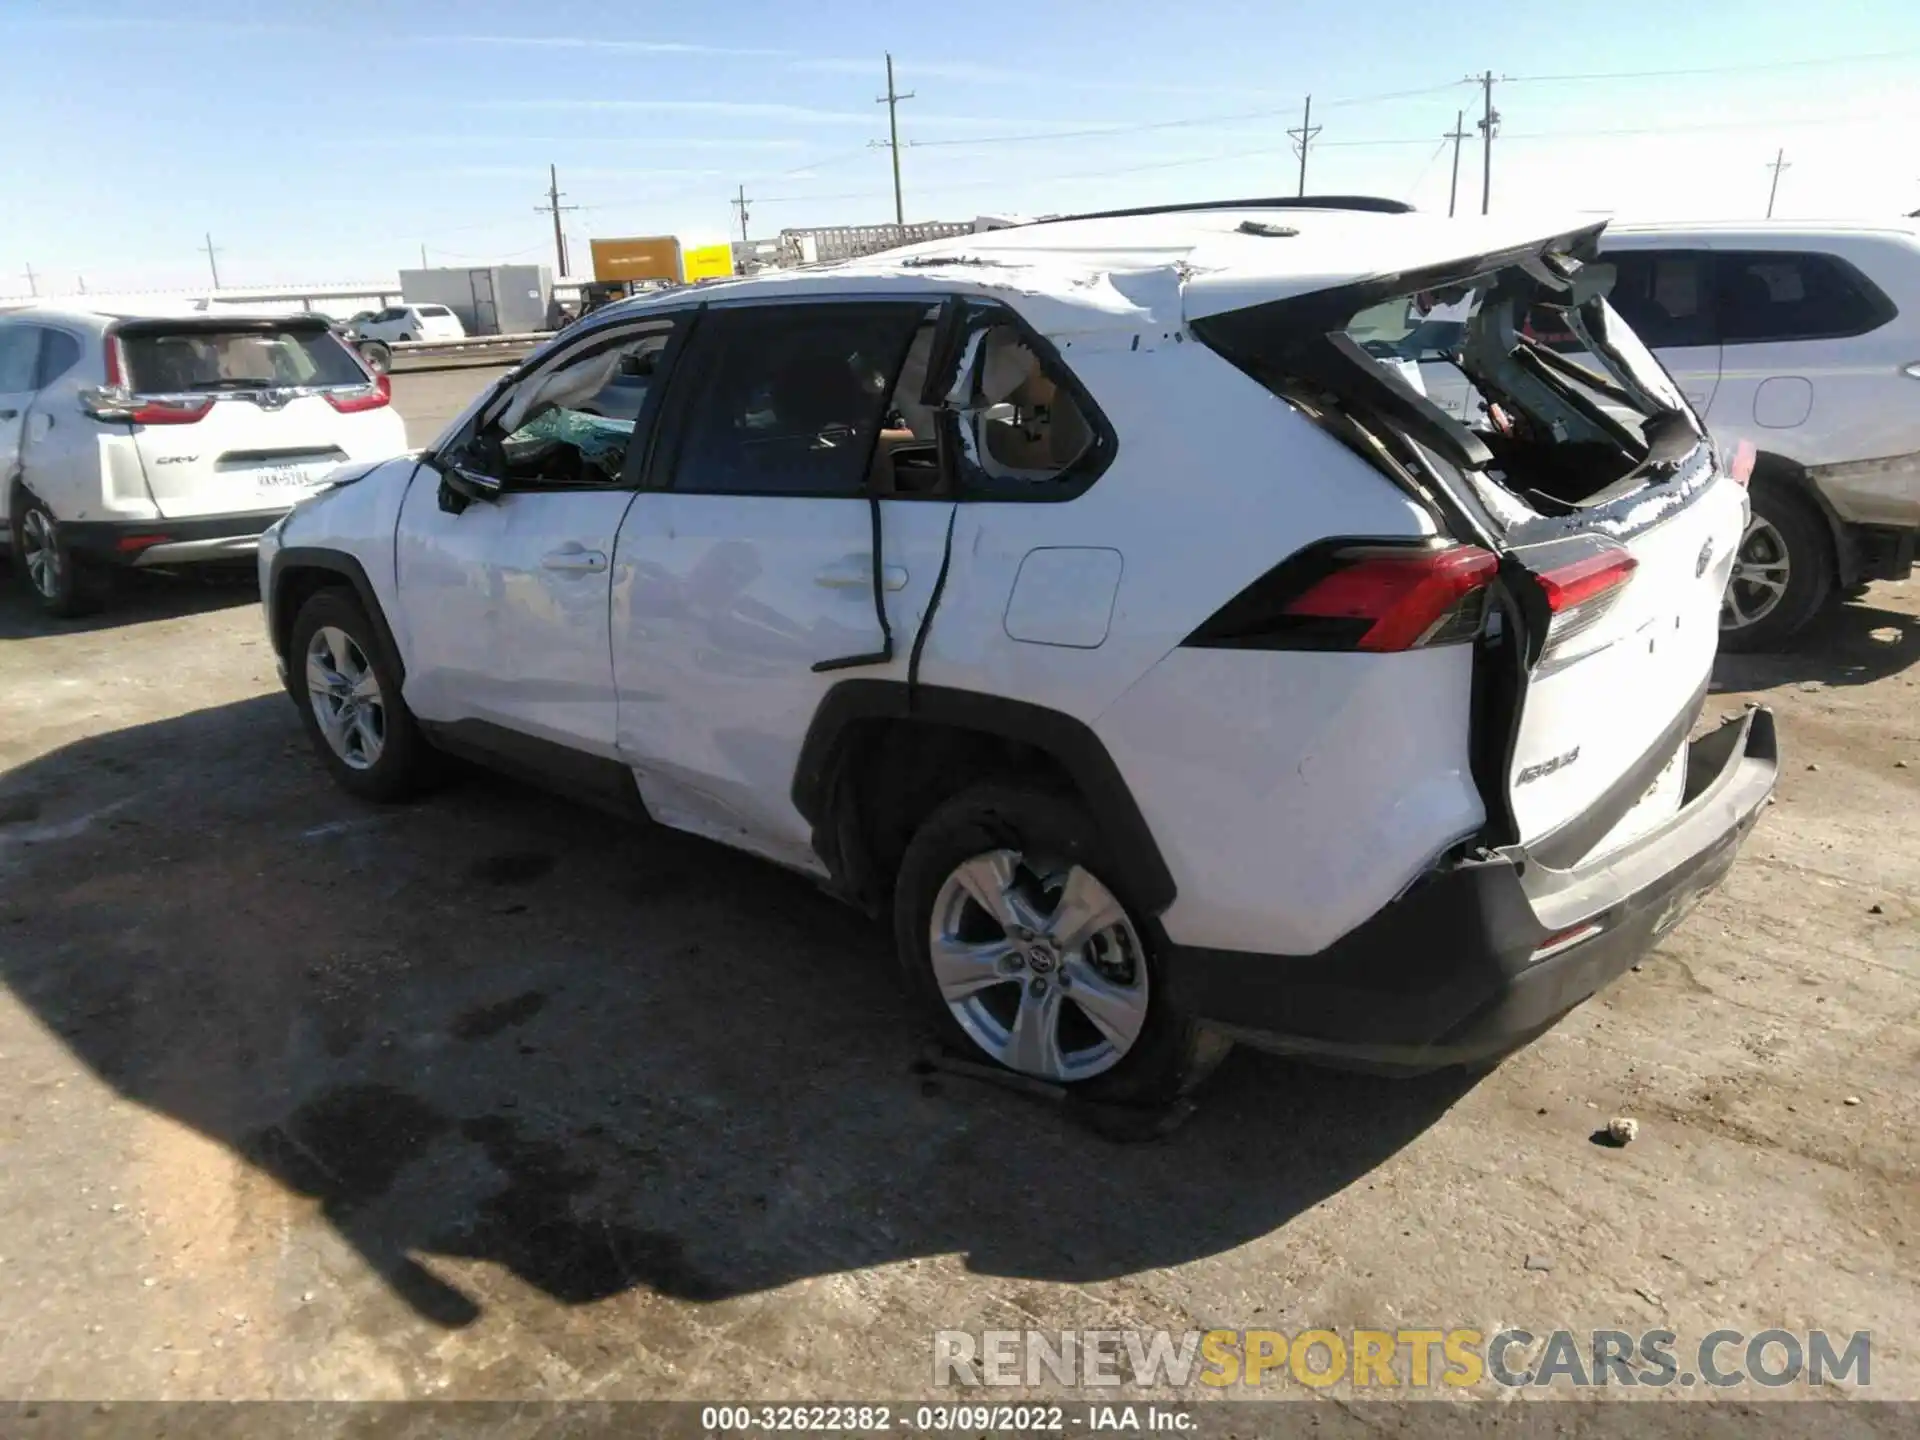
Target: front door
[
  {"x": 19, "y": 357},
  {"x": 506, "y": 601},
  {"x": 750, "y": 559}
]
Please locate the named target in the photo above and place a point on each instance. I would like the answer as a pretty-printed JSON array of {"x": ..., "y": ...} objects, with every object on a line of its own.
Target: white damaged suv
[{"x": 1094, "y": 601}]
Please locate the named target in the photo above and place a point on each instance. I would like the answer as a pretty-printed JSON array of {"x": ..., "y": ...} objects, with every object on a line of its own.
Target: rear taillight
[
  {"x": 1739, "y": 462},
  {"x": 1359, "y": 596},
  {"x": 1579, "y": 592},
  {"x": 362, "y": 397}
]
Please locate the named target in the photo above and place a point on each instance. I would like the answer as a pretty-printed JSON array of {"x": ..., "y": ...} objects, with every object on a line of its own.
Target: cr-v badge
[{"x": 1705, "y": 559}]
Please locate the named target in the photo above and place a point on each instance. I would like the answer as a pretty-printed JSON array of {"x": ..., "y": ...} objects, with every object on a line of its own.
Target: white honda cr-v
[
  {"x": 1090, "y": 599},
  {"x": 168, "y": 439}
]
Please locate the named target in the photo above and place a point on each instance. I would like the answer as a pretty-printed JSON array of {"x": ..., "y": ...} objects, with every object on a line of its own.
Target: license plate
[{"x": 286, "y": 477}]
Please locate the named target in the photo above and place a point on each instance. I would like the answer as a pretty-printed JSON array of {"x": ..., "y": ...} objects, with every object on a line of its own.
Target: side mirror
[{"x": 460, "y": 487}]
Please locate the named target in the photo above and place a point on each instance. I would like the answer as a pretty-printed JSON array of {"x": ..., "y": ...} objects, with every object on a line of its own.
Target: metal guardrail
[{"x": 475, "y": 349}]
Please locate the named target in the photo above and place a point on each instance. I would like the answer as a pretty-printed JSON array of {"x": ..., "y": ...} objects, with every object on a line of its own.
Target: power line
[
  {"x": 1713, "y": 69},
  {"x": 892, "y": 101},
  {"x": 1302, "y": 138},
  {"x": 1780, "y": 162}
]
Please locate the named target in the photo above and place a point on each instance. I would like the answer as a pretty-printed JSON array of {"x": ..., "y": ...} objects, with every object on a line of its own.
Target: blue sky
[{"x": 328, "y": 143}]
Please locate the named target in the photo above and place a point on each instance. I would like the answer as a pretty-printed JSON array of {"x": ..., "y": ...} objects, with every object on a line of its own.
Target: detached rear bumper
[
  {"x": 1478, "y": 959},
  {"x": 168, "y": 542}
]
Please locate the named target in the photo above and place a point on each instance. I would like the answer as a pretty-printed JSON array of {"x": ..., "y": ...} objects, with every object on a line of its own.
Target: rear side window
[
  {"x": 435, "y": 311},
  {"x": 159, "y": 361},
  {"x": 59, "y": 353},
  {"x": 19, "y": 352},
  {"x": 790, "y": 400},
  {"x": 1782, "y": 295},
  {"x": 1665, "y": 295}
]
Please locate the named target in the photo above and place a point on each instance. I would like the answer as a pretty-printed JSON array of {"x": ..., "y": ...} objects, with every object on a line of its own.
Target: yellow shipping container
[
  {"x": 708, "y": 262},
  {"x": 637, "y": 257}
]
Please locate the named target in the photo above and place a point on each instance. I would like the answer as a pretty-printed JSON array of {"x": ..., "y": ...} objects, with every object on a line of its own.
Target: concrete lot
[{"x": 489, "y": 1096}]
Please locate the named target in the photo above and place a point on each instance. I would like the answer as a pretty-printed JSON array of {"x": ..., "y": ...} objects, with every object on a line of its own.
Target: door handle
[
  {"x": 574, "y": 560},
  {"x": 856, "y": 573}
]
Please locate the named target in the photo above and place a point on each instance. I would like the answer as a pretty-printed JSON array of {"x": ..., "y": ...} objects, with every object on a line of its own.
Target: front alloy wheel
[
  {"x": 345, "y": 695},
  {"x": 1040, "y": 966}
]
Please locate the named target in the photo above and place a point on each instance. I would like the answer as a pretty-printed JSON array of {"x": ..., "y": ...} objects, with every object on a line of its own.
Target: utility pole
[
  {"x": 1302, "y": 138},
  {"x": 423, "y": 255},
  {"x": 212, "y": 263},
  {"x": 892, "y": 101},
  {"x": 554, "y": 208},
  {"x": 740, "y": 203},
  {"x": 1780, "y": 162},
  {"x": 33, "y": 282},
  {"x": 1456, "y": 135},
  {"x": 1489, "y": 121}
]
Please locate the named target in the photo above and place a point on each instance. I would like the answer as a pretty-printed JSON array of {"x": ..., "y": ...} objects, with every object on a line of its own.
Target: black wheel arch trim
[
  {"x": 337, "y": 562},
  {"x": 1774, "y": 469},
  {"x": 826, "y": 754}
]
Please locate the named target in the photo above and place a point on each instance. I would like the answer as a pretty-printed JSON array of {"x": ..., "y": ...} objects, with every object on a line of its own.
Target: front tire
[
  {"x": 350, "y": 702},
  {"x": 1019, "y": 946},
  {"x": 60, "y": 585},
  {"x": 1783, "y": 571}
]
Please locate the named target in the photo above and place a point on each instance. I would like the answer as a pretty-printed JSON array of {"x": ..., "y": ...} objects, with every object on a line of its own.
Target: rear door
[
  {"x": 236, "y": 415},
  {"x": 1601, "y": 496},
  {"x": 749, "y": 563},
  {"x": 1667, "y": 296}
]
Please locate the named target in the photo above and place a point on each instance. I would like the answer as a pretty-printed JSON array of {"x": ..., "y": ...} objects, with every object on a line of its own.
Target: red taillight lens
[
  {"x": 1740, "y": 463},
  {"x": 1408, "y": 599},
  {"x": 363, "y": 397},
  {"x": 1581, "y": 580},
  {"x": 169, "y": 412}
]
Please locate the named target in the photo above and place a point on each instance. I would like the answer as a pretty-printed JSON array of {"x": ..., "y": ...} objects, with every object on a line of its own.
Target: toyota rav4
[{"x": 1098, "y": 602}]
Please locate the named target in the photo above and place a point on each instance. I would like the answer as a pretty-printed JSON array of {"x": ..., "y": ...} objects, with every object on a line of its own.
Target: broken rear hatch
[{"x": 1581, "y": 467}]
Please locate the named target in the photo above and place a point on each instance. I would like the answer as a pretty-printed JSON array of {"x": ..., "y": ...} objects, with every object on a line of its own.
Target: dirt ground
[{"x": 490, "y": 1096}]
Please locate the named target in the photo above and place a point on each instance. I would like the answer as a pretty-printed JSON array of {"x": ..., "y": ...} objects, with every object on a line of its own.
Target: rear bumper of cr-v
[
  {"x": 191, "y": 541},
  {"x": 1477, "y": 959}
]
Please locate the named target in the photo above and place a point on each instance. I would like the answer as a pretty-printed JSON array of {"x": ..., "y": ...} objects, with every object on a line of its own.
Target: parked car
[
  {"x": 377, "y": 357},
  {"x": 1084, "y": 598},
  {"x": 168, "y": 440},
  {"x": 412, "y": 322},
  {"x": 1803, "y": 342}
]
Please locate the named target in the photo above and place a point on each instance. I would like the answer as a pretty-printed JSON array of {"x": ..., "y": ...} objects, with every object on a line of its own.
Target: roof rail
[{"x": 1375, "y": 204}]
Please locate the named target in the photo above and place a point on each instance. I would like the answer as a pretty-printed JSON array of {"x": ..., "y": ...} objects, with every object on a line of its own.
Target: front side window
[
  {"x": 791, "y": 400},
  {"x": 574, "y": 425},
  {"x": 1781, "y": 295}
]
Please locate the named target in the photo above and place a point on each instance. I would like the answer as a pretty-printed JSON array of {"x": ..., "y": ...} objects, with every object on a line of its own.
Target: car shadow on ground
[
  {"x": 605, "y": 1057},
  {"x": 1853, "y": 644},
  {"x": 137, "y": 596}
]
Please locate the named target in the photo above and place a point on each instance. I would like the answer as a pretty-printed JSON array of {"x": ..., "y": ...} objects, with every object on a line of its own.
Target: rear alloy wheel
[
  {"x": 1782, "y": 572},
  {"x": 349, "y": 699},
  {"x": 378, "y": 357},
  {"x": 58, "y": 583},
  {"x": 1021, "y": 948}
]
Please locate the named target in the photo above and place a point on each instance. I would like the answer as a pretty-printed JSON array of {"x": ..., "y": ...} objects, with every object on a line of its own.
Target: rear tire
[
  {"x": 60, "y": 584},
  {"x": 378, "y": 357},
  {"x": 358, "y": 722},
  {"x": 1004, "y": 893},
  {"x": 1783, "y": 571}
]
